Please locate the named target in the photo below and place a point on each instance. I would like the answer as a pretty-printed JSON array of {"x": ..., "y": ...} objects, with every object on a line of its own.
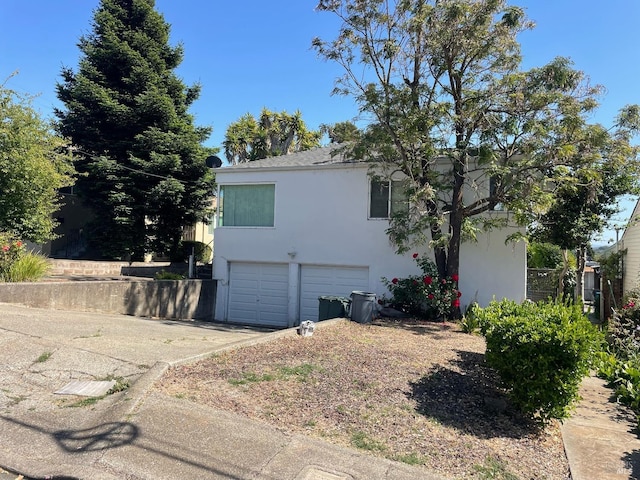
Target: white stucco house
[{"x": 292, "y": 228}]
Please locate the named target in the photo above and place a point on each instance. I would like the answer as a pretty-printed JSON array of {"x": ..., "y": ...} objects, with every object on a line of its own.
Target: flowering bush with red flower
[
  {"x": 624, "y": 327},
  {"x": 11, "y": 249},
  {"x": 18, "y": 265},
  {"x": 426, "y": 295}
]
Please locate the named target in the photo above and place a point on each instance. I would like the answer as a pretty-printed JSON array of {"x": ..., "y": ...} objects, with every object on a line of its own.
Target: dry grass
[{"x": 409, "y": 391}]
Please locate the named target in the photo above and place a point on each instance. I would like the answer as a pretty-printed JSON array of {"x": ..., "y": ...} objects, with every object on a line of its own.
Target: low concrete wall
[
  {"x": 177, "y": 299},
  {"x": 64, "y": 267}
]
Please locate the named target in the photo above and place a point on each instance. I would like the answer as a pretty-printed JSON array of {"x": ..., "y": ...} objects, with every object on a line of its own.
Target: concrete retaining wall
[
  {"x": 177, "y": 299},
  {"x": 64, "y": 267}
]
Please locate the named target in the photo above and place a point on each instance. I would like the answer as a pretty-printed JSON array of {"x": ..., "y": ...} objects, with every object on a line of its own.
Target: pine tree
[{"x": 126, "y": 112}]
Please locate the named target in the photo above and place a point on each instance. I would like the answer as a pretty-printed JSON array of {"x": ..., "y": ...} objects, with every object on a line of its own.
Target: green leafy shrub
[
  {"x": 624, "y": 377},
  {"x": 621, "y": 367},
  {"x": 623, "y": 331},
  {"x": 541, "y": 352},
  {"x": 470, "y": 323},
  {"x": 426, "y": 295},
  {"x": 544, "y": 255},
  {"x": 164, "y": 275},
  {"x": 202, "y": 252}
]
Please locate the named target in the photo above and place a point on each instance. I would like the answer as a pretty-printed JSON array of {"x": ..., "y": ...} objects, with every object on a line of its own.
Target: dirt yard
[{"x": 415, "y": 392}]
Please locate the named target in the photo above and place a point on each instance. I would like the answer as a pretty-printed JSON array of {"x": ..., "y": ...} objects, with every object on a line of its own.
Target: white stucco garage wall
[{"x": 321, "y": 219}]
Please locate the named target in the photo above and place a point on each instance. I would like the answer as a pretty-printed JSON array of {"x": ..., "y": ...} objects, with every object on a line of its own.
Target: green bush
[
  {"x": 624, "y": 377},
  {"x": 201, "y": 250},
  {"x": 18, "y": 265},
  {"x": 623, "y": 330},
  {"x": 11, "y": 249},
  {"x": 28, "y": 268},
  {"x": 469, "y": 322},
  {"x": 164, "y": 275},
  {"x": 541, "y": 352},
  {"x": 621, "y": 367}
]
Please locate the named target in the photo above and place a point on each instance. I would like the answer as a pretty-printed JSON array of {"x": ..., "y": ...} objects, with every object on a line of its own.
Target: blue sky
[{"x": 250, "y": 55}]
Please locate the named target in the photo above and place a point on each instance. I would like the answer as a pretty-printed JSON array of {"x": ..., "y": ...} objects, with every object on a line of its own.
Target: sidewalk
[{"x": 600, "y": 438}]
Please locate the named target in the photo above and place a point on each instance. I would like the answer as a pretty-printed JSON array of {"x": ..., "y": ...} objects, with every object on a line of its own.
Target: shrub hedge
[{"x": 541, "y": 352}]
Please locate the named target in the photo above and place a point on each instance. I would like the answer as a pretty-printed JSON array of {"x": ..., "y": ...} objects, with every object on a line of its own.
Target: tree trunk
[
  {"x": 582, "y": 259},
  {"x": 563, "y": 272}
]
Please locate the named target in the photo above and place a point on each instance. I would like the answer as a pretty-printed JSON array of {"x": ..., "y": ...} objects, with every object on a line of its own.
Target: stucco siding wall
[
  {"x": 631, "y": 242},
  {"x": 321, "y": 218}
]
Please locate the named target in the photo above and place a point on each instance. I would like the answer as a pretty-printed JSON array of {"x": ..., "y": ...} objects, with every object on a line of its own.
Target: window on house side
[
  {"x": 246, "y": 205},
  {"x": 387, "y": 199}
]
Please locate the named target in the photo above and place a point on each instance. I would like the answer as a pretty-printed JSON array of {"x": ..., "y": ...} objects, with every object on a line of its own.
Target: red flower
[
  {"x": 415, "y": 282},
  {"x": 456, "y": 303},
  {"x": 443, "y": 281},
  {"x": 455, "y": 277},
  {"x": 18, "y": 244},
  {"x": 415, "y": 255},
  {"x": 459, "y": 294},
  {"x": 431, "y": 296},
  {"x": 5, "y": 248},
  {"x": 394, "y": 281},
  {"x": 427, "y": 280}
]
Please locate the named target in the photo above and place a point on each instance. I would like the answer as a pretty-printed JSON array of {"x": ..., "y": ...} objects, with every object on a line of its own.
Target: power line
[{"x": 142, "y": 172}]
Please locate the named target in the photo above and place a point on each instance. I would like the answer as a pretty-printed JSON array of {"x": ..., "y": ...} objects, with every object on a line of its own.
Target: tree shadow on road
[
  {"x": 101, "y": 437},
  {"x": 632, "y": 463}
]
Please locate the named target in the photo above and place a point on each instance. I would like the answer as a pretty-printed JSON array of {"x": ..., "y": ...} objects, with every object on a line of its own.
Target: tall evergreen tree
[{"x": 142, "y": 161}]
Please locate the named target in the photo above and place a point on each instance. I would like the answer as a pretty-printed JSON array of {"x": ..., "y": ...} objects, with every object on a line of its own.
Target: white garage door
[
  {"x": 258, "y": 294},
  {"x": 316, "y": 281}
]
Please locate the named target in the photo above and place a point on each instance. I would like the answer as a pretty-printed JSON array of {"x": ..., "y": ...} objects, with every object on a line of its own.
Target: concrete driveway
[
  {"x": 141, "y": 433},
  {"x": 42, "y": 350}
]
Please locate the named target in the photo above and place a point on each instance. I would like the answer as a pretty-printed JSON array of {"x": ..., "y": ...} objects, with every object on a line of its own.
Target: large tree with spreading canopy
[{"x": 450, "y": 107}]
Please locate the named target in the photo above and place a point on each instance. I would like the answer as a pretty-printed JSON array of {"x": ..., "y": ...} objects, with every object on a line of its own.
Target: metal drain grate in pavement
[
  {"x": 315, "y": 473},
  {"x": 87, "y": 388}
]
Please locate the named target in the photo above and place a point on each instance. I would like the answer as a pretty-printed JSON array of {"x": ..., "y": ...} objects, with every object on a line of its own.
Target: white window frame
[
  {"x": 390, "y": 203},
  {"x": 220, "y": 206}
]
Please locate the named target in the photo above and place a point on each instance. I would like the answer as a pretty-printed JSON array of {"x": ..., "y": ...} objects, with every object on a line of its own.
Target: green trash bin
[
  {"x": 596, "y": 303},
  {"x": 333, "y": 307}
]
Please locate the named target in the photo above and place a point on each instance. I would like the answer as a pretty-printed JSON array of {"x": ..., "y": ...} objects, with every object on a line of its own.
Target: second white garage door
[
  {"x": 258, "y": 294},
  {"x": 316, "y": 281}
]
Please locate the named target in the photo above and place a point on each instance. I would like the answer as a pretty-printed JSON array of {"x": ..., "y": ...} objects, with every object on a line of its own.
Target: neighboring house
[
  {"x": 73, "y": 230},
  {"x": 630, "y": 242},
  {"x": 591, "y": 281},
  {"x": 296, "y": 227},
  {"x": 201, "y": 232}
]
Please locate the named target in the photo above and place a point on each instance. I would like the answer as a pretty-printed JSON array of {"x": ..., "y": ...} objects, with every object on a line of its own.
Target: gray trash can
[{"x": 363, "y": 306}]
